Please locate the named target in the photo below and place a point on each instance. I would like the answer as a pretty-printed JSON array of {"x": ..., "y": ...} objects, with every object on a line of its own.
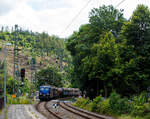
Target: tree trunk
[
  {"x": 47, "y": 53},
  {"x": 105, "y": 89},
  {"x": 97, "y": 87}
]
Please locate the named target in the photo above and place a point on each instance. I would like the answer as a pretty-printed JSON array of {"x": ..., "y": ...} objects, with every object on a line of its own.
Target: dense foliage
[
  {"x": 111, "y": 53},
  {"x": 117, "y": 106},
  {"x": 49, "y": 75}
]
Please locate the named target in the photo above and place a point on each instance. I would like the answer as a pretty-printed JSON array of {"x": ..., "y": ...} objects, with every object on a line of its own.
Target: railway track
[
  {"x": 83, "y": 113},
  {"x": 46, "y": 109},
  {"x": 43, "y": 109}
]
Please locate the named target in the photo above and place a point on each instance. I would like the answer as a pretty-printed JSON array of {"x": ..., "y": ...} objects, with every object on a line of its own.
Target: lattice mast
[{"x": 16, "y": 60}]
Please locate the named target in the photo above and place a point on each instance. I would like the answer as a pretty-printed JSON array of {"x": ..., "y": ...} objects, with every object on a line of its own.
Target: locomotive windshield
[
  {"x": 46, "y": 88},
  {"x": 42, "y": 88}
]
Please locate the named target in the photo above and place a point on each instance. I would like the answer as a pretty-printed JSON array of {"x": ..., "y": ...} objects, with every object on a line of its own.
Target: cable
[
  {"x": 77, "y": 15},
  {"x": 119, "y": 3},
  {"x": 83, "y": 9}
]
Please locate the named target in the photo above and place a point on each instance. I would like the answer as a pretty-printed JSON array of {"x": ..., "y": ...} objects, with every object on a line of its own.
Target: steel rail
[{"x": 86, "y": 112}]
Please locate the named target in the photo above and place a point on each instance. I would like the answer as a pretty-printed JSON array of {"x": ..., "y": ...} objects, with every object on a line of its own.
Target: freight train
[{"x": 47, "y": 92}]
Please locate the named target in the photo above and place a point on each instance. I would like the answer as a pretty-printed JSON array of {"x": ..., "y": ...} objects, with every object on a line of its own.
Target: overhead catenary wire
[
  {"x": 119, "y": 3},
  {"x": 74, "y": 18}
]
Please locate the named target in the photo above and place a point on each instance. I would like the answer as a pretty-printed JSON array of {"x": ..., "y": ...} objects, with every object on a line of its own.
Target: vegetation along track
[{"x": 83, "y": 113}]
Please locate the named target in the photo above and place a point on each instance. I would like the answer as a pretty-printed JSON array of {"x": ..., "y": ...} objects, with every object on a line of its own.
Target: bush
[
  {"x": 18, "y": 100},
  {"x": 89, "y": 107},
  {"x": 98, "y": 105},
  {"x": 139, "y": 105},
  {"x": 139, "y": 100},
  {"x": 94, "y": 103},
  {"x": 24, "y": 100},
  {"x": 82, "y": 102},
  {"x": 119, "y": 105},
  {"x": 103, "y": 107},
  {"x": 116, "y": 105},
  {"x": 147, "y": 116},
  {"x": 88, "y": 104},
  {"x": 138, "y": 111}
]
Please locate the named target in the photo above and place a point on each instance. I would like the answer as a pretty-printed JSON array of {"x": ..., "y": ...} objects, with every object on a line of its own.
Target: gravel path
[{"x": 23, "y": 112}]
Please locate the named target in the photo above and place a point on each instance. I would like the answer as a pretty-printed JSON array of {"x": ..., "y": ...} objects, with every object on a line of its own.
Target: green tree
[
  {"x": 105, "y": 19},
  {"x": 49, "y": 76},
  {"x": 137, "y": 34},
  {"x": 102, "y": 64},
  {"x": 81, "y": 45}
]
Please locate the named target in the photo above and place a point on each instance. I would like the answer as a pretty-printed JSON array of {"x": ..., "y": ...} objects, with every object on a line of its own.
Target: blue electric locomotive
[
  {"x": 47, "y": 92},
  {"x": 44, "y": 92}
]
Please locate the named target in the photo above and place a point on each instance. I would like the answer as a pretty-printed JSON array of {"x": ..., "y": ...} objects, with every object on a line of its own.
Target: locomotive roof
[{"x": 45, "y": 86}]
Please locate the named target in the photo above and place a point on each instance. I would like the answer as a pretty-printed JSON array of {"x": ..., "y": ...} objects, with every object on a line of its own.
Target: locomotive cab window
[
  {"x": 42, "y": 88},
  {"x": 46, "y": 89}
]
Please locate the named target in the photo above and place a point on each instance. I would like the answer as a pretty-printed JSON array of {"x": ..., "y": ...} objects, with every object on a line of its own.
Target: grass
[
  {"x": 129, "y": 117},
  {"x": 19, "y": 100},
  {"x": 147, "y": 116}
]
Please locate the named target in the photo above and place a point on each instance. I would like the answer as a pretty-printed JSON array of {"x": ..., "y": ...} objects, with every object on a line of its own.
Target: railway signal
[
  {"x": 22, "y": 75},
  {"x": 22, "y": 72}
]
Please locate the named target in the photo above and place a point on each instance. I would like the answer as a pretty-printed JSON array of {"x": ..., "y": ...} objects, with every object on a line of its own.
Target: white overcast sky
[{"x": 53, "y": 16}]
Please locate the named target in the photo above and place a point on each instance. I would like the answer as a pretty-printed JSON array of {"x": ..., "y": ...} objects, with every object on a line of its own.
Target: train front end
[{"x": 44, "y": 93}]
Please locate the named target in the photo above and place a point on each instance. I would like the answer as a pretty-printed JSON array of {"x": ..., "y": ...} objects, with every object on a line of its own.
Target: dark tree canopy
[
  {"x": 101, "y": 64},
  {"x": 50, "y": 76}
]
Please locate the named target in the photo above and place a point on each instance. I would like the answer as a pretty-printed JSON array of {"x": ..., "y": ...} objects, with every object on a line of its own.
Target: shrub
[
  {"x": 138, "y": 110},
  {"x": 18, "y": 100},
  {"x": 82, "y": 102},
  {"x": 139, "y": 100},
  {"x": 147, "y": 116},
  {"x": 89, "y": 107},
  {"x": 98, "y": 99},
  {"x": 94, "y": 103},
  {"x": 88, "y": 104},
  {"x": 114, "y": 97},
  {"x": 119, "y": 105},
  {"x": 103, "y": 107},
  {"x": 24, "y": 100},
  {"x": 139, "y": 105},
  {"x": 98, "y": 105}
]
